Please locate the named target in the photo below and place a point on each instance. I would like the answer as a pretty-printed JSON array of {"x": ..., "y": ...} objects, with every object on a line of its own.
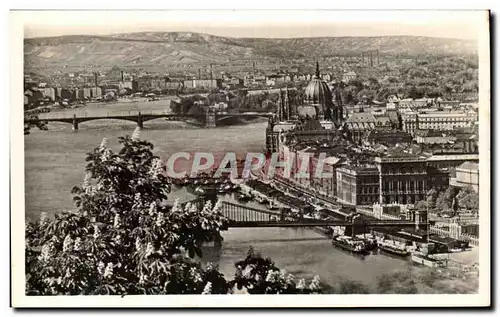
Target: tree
[
  {"x": 421, "y": 205},
  {"x": 123, "y": 238},
  {"x": 467, "y": 198},
  {"x": 445, "y": 199},
  {"x": 431, "y": 198},
  {"x": 34, "y": 123},
  {"x": 261, "y": 276}
]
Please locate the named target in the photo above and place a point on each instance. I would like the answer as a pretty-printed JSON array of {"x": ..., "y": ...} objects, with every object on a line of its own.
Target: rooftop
[
  {"x": 468, "y": 166},
  {"x": 451, "y": 157}
]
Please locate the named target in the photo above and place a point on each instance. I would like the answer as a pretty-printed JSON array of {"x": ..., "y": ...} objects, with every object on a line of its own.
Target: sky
[{"x": 268, "y": 23}]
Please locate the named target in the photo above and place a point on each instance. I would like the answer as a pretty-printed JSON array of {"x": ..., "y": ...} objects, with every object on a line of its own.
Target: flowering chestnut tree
[{"x": 124, "y": 239}]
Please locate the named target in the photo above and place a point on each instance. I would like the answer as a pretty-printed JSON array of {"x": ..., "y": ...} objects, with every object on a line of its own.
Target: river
[{"x": 55, "y": 162}]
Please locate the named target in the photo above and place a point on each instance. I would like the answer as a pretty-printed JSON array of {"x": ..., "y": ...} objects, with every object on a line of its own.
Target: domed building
[{"x": 318, "y": 101}]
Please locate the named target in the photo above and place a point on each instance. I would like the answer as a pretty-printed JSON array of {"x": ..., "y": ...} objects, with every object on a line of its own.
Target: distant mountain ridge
[{"x": 190, "y": 47}]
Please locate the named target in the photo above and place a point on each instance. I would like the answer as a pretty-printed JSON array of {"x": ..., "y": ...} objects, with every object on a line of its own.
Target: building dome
[{"x": 318, "y": 94}]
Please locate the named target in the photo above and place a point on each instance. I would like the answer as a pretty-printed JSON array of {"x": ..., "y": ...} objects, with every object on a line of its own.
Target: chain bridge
[{"x": 240, "y": 216}]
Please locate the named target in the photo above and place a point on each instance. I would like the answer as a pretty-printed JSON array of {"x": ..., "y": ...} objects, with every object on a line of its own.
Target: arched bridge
[{"x": 209, "y": 119}]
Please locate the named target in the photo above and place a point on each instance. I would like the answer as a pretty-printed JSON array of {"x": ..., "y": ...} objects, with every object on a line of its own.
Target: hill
[{"x": 179, "y": 48}]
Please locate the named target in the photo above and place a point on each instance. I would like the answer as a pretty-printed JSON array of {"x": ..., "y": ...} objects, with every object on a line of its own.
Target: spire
[
  {"x": 287, "y": 105},
  {"x": 317, "y": 69},
  {"x": 280, "y": 107}
]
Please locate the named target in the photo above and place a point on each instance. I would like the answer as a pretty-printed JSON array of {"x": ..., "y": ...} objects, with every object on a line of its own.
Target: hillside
[{"x": 176, "y": 48}]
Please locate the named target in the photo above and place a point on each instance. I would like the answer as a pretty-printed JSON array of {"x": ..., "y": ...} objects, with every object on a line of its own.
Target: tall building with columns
[{"x": 402, "y": 179}]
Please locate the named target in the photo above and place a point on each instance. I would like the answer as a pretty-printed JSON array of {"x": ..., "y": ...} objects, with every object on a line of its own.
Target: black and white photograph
[{"x": 239, "y": 153}]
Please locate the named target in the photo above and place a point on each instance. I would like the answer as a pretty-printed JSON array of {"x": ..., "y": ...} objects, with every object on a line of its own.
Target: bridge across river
[
  {"x": 209, "y": 119},
  {"x": 240, "y": 216}
]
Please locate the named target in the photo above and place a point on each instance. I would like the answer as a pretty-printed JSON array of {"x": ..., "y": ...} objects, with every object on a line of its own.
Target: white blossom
[
  {"x": 315, "y": 284},
  {"x": 117, "y": 221},
  {"x": 207, "y": 207},
  {"x": 87, "y": 185},
  {"x": 209, "y": 266},
  {"x": 301, "y": 284},
  {"x": 218, "y": 206},
  {"x": 104, "y": 144},
  {"x": 272, "y": 276},
  {"x": 160, "y": 219},
  {"x": 137, "y": 134},
  {"x": 67, "y": 273},
  {"x": 142, "y": 279},
  {"x": 46, "y": 252},
  {"x": 149, "y": 249},
  {"x": 187, "y": 206},
  {"x": 208, "y": 289},
  {"x": 44, "y": 219},
  {"x": 152, "y": 208},
  {"x": 78, "y": 244},
  {"x": 195, "y": 275},
  {"x": 193, "y": 209},
  {"x": 97, "y": 232},
  {"x": 100, "y": 268},
  {"x": 289, "y": 279},
  {"x": 156, "y": 168},
  {"x": 108, "y": 272},
  {"x": 67, "y": 244},
  {"x": 137, "y": 197},
  {"x": 49, "y": 281},
  {"x": 177, "y": 206},
  {"x": 138, "y": 244},
  {"x": 117, "y": 239},
  {"x": 106, "y": 155}
]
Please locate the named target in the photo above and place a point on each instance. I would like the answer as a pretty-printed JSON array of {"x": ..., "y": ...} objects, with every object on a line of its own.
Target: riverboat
[
  {"x": 393, "y": 249},
  {"x": 349, "y": 244},
  {"x": 427, "y": 260},
  {"x": 369, "y": 240}
]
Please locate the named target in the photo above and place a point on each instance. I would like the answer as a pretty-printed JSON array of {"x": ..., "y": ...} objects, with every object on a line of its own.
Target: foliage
[
  {"x": 445, "y": 199},
  {"x": 123, "y": 238},
  {"x": 467, "y": 198},
  {"x": 421, "y": 205},
  {"x": 189, "y": 105},
  {"x": 28, "y": 125},
  {"x": 261, "y": 276}
]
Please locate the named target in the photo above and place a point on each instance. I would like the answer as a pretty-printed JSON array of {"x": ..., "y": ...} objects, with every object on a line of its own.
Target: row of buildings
[
  {"x": 33, "y": 95},
  {"x": 410, "y": 164}
]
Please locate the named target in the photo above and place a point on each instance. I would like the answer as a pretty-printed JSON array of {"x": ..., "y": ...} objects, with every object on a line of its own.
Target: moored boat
[
  {"x": 369, "y": 240},
  {"x": 393, "y": 249},
  {"x": 427, "y": 260},
  {"x": 349, "y": 244}
]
